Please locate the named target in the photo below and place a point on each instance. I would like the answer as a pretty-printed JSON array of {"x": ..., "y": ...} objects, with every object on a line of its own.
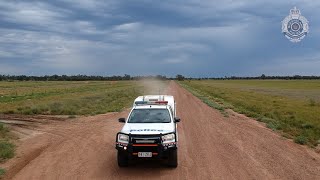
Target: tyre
[
  {"x": 123, "y": 160},
  {"x": 173, "y": 158}
]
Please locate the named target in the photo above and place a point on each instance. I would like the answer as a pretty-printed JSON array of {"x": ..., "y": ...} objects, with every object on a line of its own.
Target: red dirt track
[{"x": 211, "y": 146}]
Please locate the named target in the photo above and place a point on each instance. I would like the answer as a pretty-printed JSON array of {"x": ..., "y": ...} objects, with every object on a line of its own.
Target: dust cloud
[{"x": 154, "y": 87}]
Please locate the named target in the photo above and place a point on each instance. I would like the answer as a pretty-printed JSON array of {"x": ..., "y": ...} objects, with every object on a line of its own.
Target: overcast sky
[{"x": 167, "y": 37}]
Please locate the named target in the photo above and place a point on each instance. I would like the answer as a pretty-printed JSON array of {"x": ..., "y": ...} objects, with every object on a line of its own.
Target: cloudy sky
[{"x": 167, "y": 37}]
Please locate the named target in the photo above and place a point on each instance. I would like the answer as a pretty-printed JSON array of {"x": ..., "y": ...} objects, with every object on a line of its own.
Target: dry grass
[
  {"x": 292, "y": 107},
  {"x": 68, "y": 98}
]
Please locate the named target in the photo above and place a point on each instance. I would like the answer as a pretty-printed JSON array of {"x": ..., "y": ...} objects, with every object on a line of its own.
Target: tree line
[
  {"x": 262, "y": 77},
  {"x": 178, "y": 77},
  {"x": 78, "y": 77}
]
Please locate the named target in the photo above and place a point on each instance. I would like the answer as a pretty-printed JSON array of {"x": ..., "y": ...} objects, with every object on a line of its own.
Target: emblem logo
[{"x": 295, "y": 27}]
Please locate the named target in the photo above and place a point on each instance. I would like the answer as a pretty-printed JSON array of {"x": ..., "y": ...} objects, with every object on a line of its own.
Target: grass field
[
  {"x": 69, "y": 98},
  {"x": 66, "y": 98},
  {"x": 291, "y": 107},
  {"x": 6, "y": 147}
]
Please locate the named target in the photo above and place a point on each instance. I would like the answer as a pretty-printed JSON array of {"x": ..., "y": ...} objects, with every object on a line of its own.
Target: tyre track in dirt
[{"x": 211, "y": 146}]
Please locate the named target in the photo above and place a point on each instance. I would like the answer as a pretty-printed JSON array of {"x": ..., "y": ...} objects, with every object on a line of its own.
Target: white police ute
[{"x": 150, "y": 131}]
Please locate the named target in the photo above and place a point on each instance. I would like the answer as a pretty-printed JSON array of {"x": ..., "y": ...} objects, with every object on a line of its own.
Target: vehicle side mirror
[
  {"x": 176, "y": 119},
  {"x": 122, "y": 120}
]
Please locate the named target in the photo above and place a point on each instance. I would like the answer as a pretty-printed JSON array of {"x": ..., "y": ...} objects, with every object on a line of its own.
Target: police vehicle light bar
[
  {"x": 161, "y": 102},
  {"x": 151, "y": 102},
  {"x": 141, "y": 102}
]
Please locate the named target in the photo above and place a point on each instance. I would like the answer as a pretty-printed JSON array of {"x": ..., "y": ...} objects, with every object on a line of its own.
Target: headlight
[
  {"x": 122, "y": 138},
  {"x": 169, "y": 138}
]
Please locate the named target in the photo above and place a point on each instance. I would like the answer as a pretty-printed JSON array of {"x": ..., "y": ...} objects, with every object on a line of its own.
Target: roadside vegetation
[
  {"x": 291, "y": 107},
  {"x": 70, "y": 98},
  {"x": 2, "y": 172},
  {"x": 67, "y": 97},
  {"x": 6, "y": 147}
]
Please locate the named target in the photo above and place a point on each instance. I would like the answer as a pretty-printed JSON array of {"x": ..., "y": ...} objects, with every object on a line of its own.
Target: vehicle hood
[{"x": 148, "y": 128}]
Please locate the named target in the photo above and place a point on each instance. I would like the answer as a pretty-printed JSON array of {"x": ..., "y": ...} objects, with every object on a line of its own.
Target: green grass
[
  {"x": 210, "y": 101},
  {"x": 68, "y": 98},
  {"x": 2, "y": 172},
  {"x": 3, "y": 131},
  {"x": 292, "y": 107},
  {"x": 6, "y": 150},
  {"x": 6, "y": 147}
]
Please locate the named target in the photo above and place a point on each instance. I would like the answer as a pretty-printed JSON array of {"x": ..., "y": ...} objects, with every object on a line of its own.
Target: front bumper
[{"x": 158, "y": 149}]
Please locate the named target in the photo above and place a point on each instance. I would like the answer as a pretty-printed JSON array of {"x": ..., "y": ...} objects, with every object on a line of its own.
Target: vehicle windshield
[{"x": 149, "y": 116}]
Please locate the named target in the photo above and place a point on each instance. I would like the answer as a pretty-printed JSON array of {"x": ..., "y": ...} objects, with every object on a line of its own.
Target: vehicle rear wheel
[
  {"x": 173, "y": 158},
  {"x": 123, "y": 160}
]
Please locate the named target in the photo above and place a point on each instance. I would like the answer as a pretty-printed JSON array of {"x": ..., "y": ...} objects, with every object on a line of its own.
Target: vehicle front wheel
[
  {"x": 173, "y": 158},
  {"x": 123, "y": 160}
]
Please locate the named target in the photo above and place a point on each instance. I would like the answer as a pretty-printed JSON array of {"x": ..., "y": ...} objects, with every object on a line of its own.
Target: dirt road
[{"x": 211, "y": 147}]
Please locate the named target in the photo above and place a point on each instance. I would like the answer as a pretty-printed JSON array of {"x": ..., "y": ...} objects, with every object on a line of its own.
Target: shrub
[
  {"x": 312, "y": 102},
  {"x": 35, "y": 110},
  {"x": 274, "y": 125},
  {"x": 301, "y": 140},
  {"x": 6, "y": 150},
  {"x": 2, "y": 172},
  {"x": 9, "y": 112},
  {"x": 72, "y": 116},
  {"x": 307, "y": 126},
  {"x": 56, "y": 108},
  {"x": 3, "y": 131}
]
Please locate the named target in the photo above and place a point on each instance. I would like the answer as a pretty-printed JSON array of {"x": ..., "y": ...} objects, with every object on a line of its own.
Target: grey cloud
[{"x": 143, "y": 37}]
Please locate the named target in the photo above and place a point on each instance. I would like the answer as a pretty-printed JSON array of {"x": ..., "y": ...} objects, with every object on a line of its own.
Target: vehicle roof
[
  {"x": 151, "y": 98},
  {"x": 154, "y": 98},
  {"x": 168, "y": 98}
]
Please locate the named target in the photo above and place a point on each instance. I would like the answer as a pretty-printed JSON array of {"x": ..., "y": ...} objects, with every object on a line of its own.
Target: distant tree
[
  {"x": 296, "y": 77},
  {"x": 127, "y": 77},
  {"x": 263, "y": 76},
  {"x": 179, "y": 77}
]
